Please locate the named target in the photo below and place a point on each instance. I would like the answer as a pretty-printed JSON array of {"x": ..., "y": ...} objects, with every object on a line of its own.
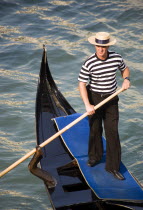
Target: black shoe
[
  {"x": 92, "y": 162},
  {"x": 117, "y": 174}
]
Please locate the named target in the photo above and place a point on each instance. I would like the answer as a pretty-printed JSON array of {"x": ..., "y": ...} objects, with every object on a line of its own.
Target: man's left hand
[{"x": 126, "y": 84}]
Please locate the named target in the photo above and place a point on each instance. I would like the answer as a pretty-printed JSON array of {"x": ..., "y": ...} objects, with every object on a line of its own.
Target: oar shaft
[{"x": 58, "y": 134}]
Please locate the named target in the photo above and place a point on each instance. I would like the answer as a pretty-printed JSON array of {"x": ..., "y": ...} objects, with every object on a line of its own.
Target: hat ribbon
[{"x": 102, "y": 41}]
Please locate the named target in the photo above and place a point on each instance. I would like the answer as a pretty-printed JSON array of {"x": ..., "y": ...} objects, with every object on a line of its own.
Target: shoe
[
  {"x": 117, "y": 174},
  {"x": 91, "y": 162}
]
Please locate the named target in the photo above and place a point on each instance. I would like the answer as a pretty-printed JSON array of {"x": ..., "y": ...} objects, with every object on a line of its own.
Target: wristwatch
[{"x": 128, "y": 78}]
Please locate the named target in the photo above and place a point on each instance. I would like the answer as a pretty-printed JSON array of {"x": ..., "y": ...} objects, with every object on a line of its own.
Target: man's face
[{"x": 101, "y": 51}]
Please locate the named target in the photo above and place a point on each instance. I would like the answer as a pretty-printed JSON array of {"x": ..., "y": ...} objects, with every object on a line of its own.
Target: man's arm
[
  {"x": 84, "y": 95},
  {"x": 126, "y": 82}
]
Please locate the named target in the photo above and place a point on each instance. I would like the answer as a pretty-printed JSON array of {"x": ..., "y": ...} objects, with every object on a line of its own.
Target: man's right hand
[
  {"x": 84, "y": 95},
  {"x": 90, "y": 109}
]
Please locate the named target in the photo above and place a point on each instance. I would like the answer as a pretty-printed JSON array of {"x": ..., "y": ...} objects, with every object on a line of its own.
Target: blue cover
[{"x": 101, "y": 182}]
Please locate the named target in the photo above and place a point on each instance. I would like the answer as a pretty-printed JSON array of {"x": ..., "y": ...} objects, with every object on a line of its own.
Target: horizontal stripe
[{"x": 104, "y": 86}]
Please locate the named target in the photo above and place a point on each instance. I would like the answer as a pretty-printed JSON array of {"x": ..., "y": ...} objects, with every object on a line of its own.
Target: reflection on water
[
  {"x": 64, "y": 27},
  {"x": 22, "y": 201},
  {"x": 31, "y": 10},
  {"x": 61, "y": 3}
]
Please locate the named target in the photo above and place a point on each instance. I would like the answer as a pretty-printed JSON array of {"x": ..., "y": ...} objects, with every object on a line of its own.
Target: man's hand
[
  {"x": 126, "y": 84},
  {"x": 90, "y": 109},
  {"x": 126, "y": 74},
  {"x": 83, "y": 91}
]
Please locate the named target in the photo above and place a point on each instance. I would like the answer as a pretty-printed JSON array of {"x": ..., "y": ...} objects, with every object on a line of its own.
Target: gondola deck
[{"x": 104, "y": 185}]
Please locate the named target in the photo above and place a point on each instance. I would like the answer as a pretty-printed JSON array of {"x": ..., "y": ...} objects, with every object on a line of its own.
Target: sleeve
[
  {"x": 84, "y": 74},
  {"x": 122, "y": 65}
]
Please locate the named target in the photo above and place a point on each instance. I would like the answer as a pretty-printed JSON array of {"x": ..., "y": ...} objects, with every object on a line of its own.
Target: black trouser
[{"x": 108, "y": 114}]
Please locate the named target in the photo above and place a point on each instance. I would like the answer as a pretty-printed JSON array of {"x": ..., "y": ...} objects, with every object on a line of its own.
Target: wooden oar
[{"x": 58, "y": 134}]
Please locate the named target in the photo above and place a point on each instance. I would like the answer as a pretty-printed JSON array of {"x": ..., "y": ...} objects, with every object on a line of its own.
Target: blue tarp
[{"x": 104, "y": 184}]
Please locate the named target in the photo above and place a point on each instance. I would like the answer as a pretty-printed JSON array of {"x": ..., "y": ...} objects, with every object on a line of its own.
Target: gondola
[{"x": 67, "y": 187}]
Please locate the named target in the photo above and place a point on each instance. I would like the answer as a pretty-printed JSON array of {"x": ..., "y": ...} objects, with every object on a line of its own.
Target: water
[{"x": 64, "y": 27}]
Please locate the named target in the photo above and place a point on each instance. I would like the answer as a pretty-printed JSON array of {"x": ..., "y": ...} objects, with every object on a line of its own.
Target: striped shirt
[{"x": 101, "y": 74}]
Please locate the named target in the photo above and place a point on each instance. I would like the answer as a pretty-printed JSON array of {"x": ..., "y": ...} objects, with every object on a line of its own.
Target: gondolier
[{"x": 99, "y": 72}]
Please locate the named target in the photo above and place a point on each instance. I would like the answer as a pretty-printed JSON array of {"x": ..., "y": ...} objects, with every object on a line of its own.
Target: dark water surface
[{"x": 64, "y": 27}]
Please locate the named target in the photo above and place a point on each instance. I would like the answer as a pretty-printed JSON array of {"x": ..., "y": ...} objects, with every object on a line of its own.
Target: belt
[{"x": 102, "y": 95}]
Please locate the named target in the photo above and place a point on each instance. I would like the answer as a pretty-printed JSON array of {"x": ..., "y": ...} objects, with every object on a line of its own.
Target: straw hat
[{"x": 102, "y": 39}]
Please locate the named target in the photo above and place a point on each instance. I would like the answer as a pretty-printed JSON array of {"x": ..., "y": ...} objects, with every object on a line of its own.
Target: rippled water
[{"x": 64, "y": 27}]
